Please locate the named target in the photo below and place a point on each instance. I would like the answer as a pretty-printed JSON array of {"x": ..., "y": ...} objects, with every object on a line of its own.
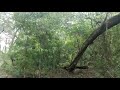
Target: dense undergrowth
[{"x": 44, "y": 42}]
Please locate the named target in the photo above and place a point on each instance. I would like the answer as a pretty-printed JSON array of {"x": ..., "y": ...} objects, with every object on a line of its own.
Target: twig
[
  {"x": 110, "y": 74},
  {"x": 2, "y": 30}
]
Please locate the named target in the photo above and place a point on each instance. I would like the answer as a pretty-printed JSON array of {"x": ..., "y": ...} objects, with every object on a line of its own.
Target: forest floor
[
  {"x": 3, "y": 74},
  {"x": 89, "y": 73},
  {"x": 59, "y": 73}
]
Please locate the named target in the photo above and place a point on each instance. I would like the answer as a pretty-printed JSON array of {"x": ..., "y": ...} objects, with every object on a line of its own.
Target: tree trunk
[{"x": 106, "y": 24}]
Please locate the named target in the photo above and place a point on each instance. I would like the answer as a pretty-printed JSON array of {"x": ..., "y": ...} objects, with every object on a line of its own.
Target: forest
[{"x": 59, "y": 45}]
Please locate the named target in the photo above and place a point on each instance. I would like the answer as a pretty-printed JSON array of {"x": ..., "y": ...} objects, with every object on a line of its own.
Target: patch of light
[{"x": 4, "y": 42}]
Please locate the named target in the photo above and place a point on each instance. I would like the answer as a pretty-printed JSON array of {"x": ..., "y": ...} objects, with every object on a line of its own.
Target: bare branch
[{"x": 2, "y": 30}]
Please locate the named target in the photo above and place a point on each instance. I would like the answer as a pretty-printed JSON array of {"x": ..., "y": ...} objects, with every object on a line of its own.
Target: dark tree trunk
[{"x": 109, "y": 23}]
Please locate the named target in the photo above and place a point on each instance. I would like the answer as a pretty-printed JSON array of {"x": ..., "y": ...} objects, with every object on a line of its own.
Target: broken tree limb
[
  {"x": 101, "y": 29},
  {"x": 2, "y": 30}
]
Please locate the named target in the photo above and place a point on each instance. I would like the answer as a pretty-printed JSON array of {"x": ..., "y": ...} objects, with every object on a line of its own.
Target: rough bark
[{"x": 109, "y": 24}]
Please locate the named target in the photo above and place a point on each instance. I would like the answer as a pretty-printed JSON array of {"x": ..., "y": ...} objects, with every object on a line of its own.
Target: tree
[
  {"x": 42, "y": 43},
  {"x": 107, "y": 24}
]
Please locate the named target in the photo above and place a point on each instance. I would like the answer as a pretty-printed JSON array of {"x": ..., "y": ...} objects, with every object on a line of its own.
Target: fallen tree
[{"x": 101, "y": 29}]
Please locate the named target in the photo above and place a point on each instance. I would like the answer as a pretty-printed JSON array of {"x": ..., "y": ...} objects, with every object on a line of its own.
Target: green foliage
[
  {"x": 47, "y": 41},
  {"x": 37, "y": 46}
]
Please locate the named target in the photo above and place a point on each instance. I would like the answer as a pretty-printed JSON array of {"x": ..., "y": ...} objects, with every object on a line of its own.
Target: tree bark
[{"x": 106, "y": 24}]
